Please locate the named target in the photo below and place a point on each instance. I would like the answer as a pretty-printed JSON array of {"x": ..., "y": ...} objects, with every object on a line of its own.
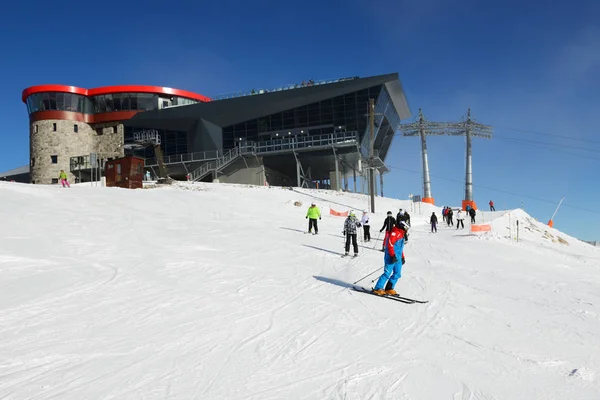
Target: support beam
[
  {"x": 381, "y": 182},
  {"x": 354, "y": 173},
  {"x": 371, "y": 153},
  {"x": 427, "y": 197}
]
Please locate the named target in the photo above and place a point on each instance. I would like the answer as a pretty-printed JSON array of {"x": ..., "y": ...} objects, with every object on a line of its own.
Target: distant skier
[
  {"x": 388, "y": 225},
  {"x": 366, "y": 226},
  {"x": 400, "y": 215},
  {"x": 472, "y": 213},
  {"x": 460, "y": 219},
  {"x": 350, "y": 226},
  {"x": 404, "y": 217},
  {"x": 407, "y": 218},
  {"x": 450, "y": 216},
  {"x": 63, "y": 178},
  {"x": 394, "y": 246},
  {"x": 312, "y": 214},
  {"x": 492, "y": 208},
  {"x": 434, "y": 222}
]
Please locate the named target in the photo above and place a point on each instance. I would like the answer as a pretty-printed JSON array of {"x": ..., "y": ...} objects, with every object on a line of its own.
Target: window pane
[
  {"x": 60, "y": 101},
  {"x": 117, "y": 101},
  {"x": 52, "y": 103}
]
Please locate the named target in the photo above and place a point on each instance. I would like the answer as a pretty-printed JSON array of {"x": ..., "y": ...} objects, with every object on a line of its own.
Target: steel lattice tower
[
  {"x": 423, "y": 128},
  {"x": 469, "y": 128}
]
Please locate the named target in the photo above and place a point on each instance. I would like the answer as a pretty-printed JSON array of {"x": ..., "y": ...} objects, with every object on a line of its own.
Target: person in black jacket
[
  {"x": 472, "y": 214},
  {"x": 407, "y": 218},
  {"x": 404, "y": 217},
  {"x": 388, "y": 225},
  {"x": 434, "y": 222}
]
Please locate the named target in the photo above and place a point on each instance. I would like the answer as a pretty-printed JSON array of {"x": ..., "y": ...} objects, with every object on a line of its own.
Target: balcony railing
[
  {"x": 185, "y": 158},
  {"x": 299, "y": 142}
]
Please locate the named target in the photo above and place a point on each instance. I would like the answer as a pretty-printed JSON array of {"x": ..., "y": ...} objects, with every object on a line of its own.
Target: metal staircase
[
  {"x": 273, "y": 147},
  {"x": 218, "y": 165}
]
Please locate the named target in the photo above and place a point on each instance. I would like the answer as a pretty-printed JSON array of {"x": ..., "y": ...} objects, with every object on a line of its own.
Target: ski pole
[
  {"x": 366, "y": 276},
  {"x": 378, "y": 235}
]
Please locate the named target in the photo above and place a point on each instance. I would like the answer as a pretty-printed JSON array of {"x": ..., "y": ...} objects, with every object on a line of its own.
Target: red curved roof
[{"x": 112, "y": 89}]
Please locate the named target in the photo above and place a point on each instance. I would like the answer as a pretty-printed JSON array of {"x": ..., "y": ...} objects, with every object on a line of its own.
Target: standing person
[
  {"x": 63, "y": 178},
  {"x": 492, "y": 208},
  {"x": 312, "y": 214},
  {"x": 400, "y": 215},
  {"x": 460, "y": 217},
  {"x": 388, "y": 225},
  {"x": 444, "y": 211},
  {"x": 472, "y": 214},
  {"x": 366, "y": 227},
  {"x": 433, "y": 220},
  {"x": 393, "y": 267},
  {"x": 406, "y": 219},
  {"x": 449, "y": 216},
  {"x": 350, "y": 226}
]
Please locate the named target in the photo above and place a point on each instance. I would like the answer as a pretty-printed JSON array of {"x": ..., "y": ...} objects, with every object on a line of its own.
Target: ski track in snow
[{"x": 214, "y": 291}]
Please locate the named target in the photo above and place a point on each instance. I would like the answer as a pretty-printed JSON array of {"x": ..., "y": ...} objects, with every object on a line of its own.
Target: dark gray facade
[{"x": 277, "y": 121}]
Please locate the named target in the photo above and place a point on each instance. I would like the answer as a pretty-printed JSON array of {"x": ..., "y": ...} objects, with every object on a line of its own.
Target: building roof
[
  {"x": 236, "y": 110},
  {"x": 112, "y": 89},
  {"x": 17, "y": 171}
]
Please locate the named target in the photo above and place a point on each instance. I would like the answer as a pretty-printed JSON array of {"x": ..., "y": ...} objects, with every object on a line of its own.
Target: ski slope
[{"x": 213, "y": 291}]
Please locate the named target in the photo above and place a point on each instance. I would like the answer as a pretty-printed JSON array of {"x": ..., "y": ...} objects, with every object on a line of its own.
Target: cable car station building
[{"x": 301, "y": 135}]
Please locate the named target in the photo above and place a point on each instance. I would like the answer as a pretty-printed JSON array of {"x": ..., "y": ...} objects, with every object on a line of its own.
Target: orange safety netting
[
  {"x": 481, "y": 228},
  {"x": 338, "y": 213}
]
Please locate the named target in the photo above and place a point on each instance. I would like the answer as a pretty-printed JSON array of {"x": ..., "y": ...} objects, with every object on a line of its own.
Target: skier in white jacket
[
  {"x": 460, "y": 219},
  {"x": 364, "y": 221}
]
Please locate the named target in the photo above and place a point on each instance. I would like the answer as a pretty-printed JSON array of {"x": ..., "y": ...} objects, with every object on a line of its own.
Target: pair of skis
[{"x": 395, "y": 297}]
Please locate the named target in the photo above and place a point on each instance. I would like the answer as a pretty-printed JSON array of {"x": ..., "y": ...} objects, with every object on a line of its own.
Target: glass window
[
  {"x": 60, "y": 101},
  {"x": 54, "y": 159},
  {"x": 117, "y": 101},
  {"x": 52, "y": 98},
  {"x": 109, "y": 103}
]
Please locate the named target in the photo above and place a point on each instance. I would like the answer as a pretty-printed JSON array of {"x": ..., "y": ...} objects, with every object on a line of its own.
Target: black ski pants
[
  {"x": 434, "y": 226},
  {"x": 313, "y": 222},
  {"x": 367, "y": 231},
  {"x": 351, "y": 236},
  {"x": 460, "y": 222}
]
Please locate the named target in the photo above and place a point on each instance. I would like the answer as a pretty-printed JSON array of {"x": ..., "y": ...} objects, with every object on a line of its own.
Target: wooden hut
[{"x": 125, "y": 172}]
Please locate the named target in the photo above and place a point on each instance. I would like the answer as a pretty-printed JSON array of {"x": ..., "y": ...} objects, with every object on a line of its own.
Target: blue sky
[{"x": 519, "y": 66}]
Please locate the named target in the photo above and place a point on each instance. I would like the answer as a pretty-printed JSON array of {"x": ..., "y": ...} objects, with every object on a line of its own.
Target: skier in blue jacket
[{"x": 394, "y": 247}]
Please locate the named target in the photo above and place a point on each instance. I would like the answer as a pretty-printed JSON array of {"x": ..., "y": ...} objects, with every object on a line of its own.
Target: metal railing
[
  {"x": 279, "y": 89},
  {"x": 216, "y": 165},
  {"x": 299, "y": 142},
  {"x": 183, "y": 158},
  {"x": 202, "y": 171}
]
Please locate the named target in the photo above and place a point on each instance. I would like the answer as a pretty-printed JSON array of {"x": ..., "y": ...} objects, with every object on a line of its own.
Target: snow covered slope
[{"x": 213, "y": 291}]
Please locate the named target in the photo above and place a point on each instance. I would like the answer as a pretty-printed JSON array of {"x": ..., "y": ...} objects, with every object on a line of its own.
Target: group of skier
[{"x": 396, "y": 235}]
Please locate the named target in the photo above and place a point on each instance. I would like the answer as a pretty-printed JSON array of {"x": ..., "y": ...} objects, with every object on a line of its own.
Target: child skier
[
  {"x": 63, "y": 178},
  {"x": 394, "y": 246},
  {"x": 350, "y": 226}
]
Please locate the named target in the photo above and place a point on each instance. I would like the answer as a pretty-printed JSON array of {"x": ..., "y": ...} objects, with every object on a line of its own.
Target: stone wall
[
  {"x": 63, "y": 142},
  {"x": 109, "y": 140}
]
